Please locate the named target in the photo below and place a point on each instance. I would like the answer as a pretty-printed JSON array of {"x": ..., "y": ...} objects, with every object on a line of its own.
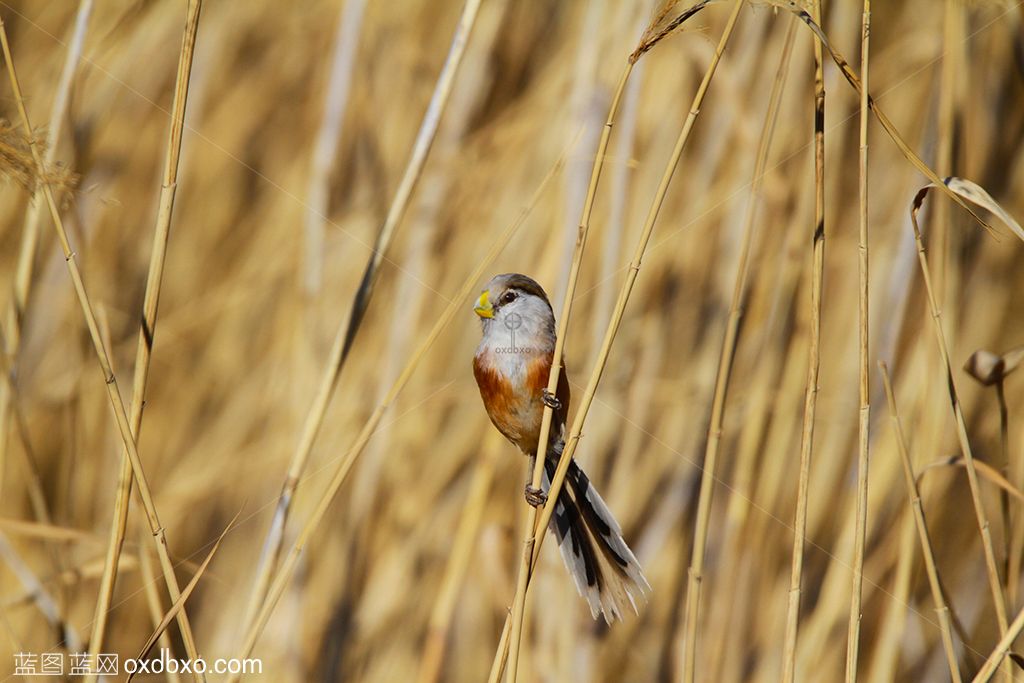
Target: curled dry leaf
[{"x": 965, "y": 190}]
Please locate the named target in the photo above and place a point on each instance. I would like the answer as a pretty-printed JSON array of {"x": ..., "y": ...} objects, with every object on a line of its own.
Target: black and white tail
[{"x": 603, "y": 567}]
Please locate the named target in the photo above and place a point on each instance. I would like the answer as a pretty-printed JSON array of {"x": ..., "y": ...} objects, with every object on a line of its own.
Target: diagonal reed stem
[
  {"x": 15, "y": 314},
  {"x": 991, "y": 567},
  {"x": 113, "y": 392},
  {"x": 346, "y": 333},
  {"x": 519, "y": 602},
  {"x": 922, "y": 530},
  {"x": 541, "y": 525},
  {"x": 280, "y": 580},
  {"x": 144, "y": 346}
]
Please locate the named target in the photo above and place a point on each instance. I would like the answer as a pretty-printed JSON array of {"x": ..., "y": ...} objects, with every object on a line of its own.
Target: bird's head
[{"x": 515, "y": 303}]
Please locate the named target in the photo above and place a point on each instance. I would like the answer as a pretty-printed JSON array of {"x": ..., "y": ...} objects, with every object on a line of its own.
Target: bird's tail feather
[{"x": 604, "y": 569}]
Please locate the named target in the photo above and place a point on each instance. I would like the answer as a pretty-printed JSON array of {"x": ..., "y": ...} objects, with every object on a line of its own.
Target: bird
[{"x": 511, "y": 366}]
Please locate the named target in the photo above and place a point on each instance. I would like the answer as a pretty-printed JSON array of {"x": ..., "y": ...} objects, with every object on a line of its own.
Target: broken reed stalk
[
  {"x": 144, "y": 346},
  {"x": 922, "y": 530},
  {"x": 347, "y": 330},
  {"x": 25, "y": 266},
  {"x": 540, "y": 528},
  {"x": 813, "y": 364},
  {"x": 113, "y": 392},
  {"x": 864, "y": 413},
  {"x": 280, "y": 580},
  {"x": 991, "y": 567},
  {"x": 519, "y": 601}
]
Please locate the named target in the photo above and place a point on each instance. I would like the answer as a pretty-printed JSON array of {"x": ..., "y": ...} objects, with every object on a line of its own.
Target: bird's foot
[
  {"x": 535, "y": 496},
  {"x": 550, "y": 400}
]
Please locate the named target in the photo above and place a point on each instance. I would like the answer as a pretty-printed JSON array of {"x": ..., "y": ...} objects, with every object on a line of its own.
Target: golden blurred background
[{"x": 277, "y": 207}]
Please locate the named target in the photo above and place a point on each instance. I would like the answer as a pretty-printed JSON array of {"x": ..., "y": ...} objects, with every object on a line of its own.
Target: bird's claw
[
  {"x": 550, "y": 400},
  {"x": 535, "y": 496}
]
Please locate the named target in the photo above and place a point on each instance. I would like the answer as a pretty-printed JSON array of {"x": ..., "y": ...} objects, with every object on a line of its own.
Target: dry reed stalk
[
  {"x": 813, "y": 363},
  {"x": 887, "y": 124},
  {"x": 455, "y": 572},
  {"x": 540, "y": 526},
  {"x": 147, "y": 331},
  {"x": 347, "y": 330},
  {"x": 745, "y": 465},
  {"x": 618, "y": 202},
  {"x": 724, "y": 371},
  {"x": 113, "y": 392},
  {"x": 991, "y": 567},
  {"x": 864, "y": 393},
  {"x": 519, "y": 601},
  {"x": 15, "y": 313},
  {"x": 277, "y": 586},
  {"x": 922, "y": 529},
  {"x": 339, "y": 83}
]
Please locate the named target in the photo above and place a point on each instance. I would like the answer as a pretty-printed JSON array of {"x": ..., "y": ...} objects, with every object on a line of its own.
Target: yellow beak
[{"x": 483, "y": 307}]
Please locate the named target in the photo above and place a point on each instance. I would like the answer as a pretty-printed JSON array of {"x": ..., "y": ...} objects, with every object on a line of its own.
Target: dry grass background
[{"x": 420, "y": 548}]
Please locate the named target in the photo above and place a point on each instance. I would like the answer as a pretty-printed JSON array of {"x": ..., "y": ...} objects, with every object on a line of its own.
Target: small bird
[{"x": 511, "y": 367}]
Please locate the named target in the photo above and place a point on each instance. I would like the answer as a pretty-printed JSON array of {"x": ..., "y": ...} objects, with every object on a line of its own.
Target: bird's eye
[{"x": 508, "y": 297}]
